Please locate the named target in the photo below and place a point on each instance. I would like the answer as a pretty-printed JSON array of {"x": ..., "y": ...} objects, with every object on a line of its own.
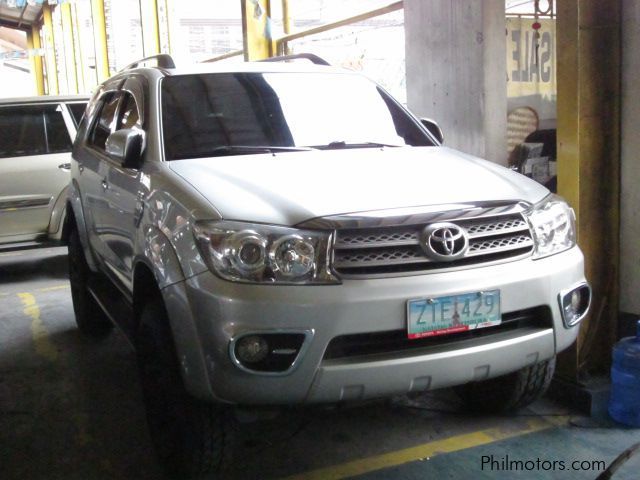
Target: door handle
[
  {"x": 105, "y": 185},
  {"x": 65, "y": 166}
]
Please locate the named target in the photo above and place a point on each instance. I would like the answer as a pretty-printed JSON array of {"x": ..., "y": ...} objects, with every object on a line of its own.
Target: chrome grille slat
[
  {"x": 369, "y": 239},
  {"x": 486, "y": 229},
  {"x": 375, "y": 250},
  {"x": 498, "y": 246},
  {"x": 379, "y": 257}
]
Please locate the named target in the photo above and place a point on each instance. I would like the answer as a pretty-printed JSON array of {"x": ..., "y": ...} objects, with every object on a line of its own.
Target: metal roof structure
[{"x": 19, "y": 17}]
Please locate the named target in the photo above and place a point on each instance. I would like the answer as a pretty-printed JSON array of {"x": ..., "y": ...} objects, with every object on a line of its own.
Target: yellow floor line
[
  {"x": 56, "y": 287},
  {"x": 428, "y": 450},
  {"x": 43, "y": 344}
]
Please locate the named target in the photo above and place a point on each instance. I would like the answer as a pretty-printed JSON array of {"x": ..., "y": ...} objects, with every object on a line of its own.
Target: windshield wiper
[
  {"x": 342, "y": 144},
  {"x": 248, "y": 149}
]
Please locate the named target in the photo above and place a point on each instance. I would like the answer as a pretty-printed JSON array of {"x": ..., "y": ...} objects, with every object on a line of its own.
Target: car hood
[{"x": 291, "y": 187}]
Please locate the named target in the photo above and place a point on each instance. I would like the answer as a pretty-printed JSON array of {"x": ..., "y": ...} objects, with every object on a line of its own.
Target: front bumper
[{"x": 206, "y": 313}]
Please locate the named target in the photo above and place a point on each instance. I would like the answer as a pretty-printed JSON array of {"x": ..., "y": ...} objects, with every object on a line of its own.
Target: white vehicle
[
  {"x": 278, "y": 234},
  {"x": 36, "y": 136}
]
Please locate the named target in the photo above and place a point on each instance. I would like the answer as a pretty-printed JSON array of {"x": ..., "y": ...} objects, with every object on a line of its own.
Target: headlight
[
  {"x": 553, "y": 225},
  {"x": 252, "y": 253}
]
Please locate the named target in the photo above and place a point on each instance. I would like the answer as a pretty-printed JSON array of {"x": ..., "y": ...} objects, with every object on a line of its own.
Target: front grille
[
  {"x": 396, "y": 340},
  {"x": 397, "y": 248}
]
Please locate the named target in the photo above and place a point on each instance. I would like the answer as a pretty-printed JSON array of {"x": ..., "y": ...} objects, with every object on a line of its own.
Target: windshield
[{"x": 241, "y": 111}]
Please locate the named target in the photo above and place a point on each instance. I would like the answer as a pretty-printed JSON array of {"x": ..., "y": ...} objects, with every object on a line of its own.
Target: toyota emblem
[{"x": 445, "y": 241}]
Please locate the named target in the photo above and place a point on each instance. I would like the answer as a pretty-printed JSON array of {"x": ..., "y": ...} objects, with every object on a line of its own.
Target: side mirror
[
  {"x": 433, "y": 128},
  {"x": 125, "y": 146}
]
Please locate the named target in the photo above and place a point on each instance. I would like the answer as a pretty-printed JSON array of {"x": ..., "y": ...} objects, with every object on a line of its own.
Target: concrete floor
[{"x": 71, "y": 408}]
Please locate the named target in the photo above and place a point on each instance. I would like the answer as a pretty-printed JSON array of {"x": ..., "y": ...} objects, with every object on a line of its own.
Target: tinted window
[
  {"x": 203, "y": 112},
  {"x": 32, "y": 130},
  {"x": 106, "y": 121},
  {"x": 77, "y": 111},
  {"x": 128, "y": 117},
  {"x": 58, "y": 139}
]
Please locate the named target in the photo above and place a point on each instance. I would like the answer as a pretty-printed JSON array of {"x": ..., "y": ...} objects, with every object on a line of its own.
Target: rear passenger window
[
  {"x": 58, "y": 139},
  {"x": 32, "y": 130},
  {"x": 105, "y": 123}
]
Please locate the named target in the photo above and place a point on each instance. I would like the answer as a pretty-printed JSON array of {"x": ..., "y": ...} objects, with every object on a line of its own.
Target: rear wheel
[
  {"x": 188, "y": 435},
  {"x": 509, "y": 392},
  {"x": 90, "y": 318}
]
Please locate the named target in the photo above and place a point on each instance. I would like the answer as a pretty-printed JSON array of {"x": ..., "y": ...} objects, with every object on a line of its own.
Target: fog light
[
  {"x": 575, "y": 300},
  {"x": 252, "y": 349},
  {"x": 269, "y": 352},
  {"x": 574, "y": 304}
]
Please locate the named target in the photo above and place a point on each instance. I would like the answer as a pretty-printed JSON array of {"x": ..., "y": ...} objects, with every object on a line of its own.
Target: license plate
[{"x": 428, "y": 317}]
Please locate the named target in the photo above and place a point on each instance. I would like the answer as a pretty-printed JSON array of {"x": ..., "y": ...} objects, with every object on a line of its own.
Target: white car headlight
[
  {"x": 553, "y": 226},
  {"x": 254, "y": 253}
]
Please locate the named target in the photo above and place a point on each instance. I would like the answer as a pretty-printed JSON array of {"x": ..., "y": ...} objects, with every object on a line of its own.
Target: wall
[
  {"x": 456, "y": 64},
  {"x": 630, "y": 167}
]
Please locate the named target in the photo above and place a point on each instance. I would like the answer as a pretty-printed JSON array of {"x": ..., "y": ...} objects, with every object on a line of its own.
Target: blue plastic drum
[{"x": 624, "y": 404}]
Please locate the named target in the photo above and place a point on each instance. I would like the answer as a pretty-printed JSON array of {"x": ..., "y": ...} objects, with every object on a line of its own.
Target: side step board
[{"x": 114, "y": 304}]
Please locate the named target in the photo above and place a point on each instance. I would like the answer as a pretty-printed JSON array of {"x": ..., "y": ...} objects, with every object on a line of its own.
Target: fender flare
[{"x": 159, "y": 256}]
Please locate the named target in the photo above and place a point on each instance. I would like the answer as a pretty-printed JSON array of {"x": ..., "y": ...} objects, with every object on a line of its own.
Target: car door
[
  {"x": 119, "y": 221},
  {"x": 92, "y": 167},
  {"x": 35, "y": 146}
]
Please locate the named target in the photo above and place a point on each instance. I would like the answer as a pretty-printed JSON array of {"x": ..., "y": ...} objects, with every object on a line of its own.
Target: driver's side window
[
  {"x": 106, "y": 121},
  {"x": 114, "y": 118},
  {"x": 128, "y": 116}
]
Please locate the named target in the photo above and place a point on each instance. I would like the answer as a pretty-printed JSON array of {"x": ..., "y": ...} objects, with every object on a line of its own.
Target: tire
[
  {"x": 90, "y": 318},
  {"x": 188, "y": 434},
  {"x": 509, "y": 392}
]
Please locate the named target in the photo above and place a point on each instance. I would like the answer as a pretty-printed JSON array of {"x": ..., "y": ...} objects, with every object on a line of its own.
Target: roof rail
[
  {"x": 306, "y": 56},
  {"x": 162, "y": 60}
]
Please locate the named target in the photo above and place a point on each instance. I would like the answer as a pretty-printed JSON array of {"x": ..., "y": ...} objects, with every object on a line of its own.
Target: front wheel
[
  {"x": 508, "y": 392},
  {"x": 188, "y": 434}
]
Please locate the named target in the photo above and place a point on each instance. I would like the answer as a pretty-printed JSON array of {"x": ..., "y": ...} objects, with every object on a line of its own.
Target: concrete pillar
[
  {"x": 630, "y": 174},
  {"x": 456, "y": 64}
]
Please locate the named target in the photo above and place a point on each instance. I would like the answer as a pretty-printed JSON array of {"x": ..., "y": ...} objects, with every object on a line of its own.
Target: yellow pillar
[
  {"x": 588, "y": 53},
  {"x": 33, "y": 43},
  {"x": 69, "y": 48},
  {"x": 100, "y": 39},
  {"x": 254, "y": 29},
  {"x": 287, "y": 24},
  {"x": 77, "y": 45},
  {"x": 50, "y": 51},
  {"x": 150, "y": 27}
]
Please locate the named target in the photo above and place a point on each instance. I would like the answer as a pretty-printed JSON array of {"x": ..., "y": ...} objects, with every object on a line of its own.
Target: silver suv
[
  {"x": 278, "y": 233},
  {"x": 36, "y": 135}
]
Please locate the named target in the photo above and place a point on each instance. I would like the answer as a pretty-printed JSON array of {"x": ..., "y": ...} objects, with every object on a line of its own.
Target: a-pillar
[{"x": 456, "y": 64}]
